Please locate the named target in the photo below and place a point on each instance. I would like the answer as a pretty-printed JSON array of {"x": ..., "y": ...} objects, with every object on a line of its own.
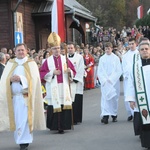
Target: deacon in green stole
[{"x": 138, "y": 93}]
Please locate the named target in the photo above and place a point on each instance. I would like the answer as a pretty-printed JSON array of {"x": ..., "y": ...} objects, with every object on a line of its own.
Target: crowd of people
[
  {"x": 94, "y": 50},
  {"x": 66, "y": 70},
  {"x": 111, "y": 34}
]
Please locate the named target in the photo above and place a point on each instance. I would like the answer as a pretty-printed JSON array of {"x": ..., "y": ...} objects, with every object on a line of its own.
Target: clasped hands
[
  {"x": 58, "y": 72},
  {"x": 132, "y": 105},
  {"x": 15, "y": 78}
]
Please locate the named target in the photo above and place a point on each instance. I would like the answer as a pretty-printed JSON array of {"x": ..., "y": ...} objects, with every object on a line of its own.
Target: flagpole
[{"x": 58, "y": 19}]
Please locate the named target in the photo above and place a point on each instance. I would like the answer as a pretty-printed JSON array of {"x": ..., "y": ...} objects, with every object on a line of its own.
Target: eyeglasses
[{"x": 142, "y": 49}]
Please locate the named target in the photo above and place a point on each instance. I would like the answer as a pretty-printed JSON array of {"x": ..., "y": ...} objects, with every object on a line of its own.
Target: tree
[
  {"x": 117, "y": 13},
  {"x": 97, "y": 10},
  {"x": 101, "y": 14},
  {"x": 85, "y": 3},
  {"x": 145, "y": 21},
  {"x": 146, "y": 4},
  {"x": 131, "y": 11}
]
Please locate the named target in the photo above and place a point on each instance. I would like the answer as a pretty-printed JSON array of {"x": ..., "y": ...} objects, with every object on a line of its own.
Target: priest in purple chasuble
[{"x": 57, "y": 73}]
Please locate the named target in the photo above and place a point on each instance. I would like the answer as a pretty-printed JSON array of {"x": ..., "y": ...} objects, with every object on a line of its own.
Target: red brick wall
[
  {"x": 83, "y": 22},
  {"x": 70, "y": 30},
  {"x": 5, "y": 21},
  {"x": 26, "y": 8},
  {"x": 69, "y": 33},
  {"x": 31, "y": 34}
]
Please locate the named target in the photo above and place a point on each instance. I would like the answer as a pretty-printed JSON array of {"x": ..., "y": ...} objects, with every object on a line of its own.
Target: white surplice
[
  {"x": 127, "y": 65},
  {"x": 78, "y": 62},
  {"x": 109, "y": 72},
  {"x": 22, "y": 133},
  {"x": 57, "y": 93}
]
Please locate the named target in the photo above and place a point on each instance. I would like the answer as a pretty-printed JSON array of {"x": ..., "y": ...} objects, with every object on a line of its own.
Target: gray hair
[
  {"x": 146, "y": 43},
  {"x": 2, "y": 56}
]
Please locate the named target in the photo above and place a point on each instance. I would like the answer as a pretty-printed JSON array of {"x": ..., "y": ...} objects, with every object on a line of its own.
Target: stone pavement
[{"x": 89, "y": 135}]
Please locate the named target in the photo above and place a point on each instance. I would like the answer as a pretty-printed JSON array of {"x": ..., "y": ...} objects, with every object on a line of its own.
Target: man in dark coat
[{"x": 2, "y": 63}]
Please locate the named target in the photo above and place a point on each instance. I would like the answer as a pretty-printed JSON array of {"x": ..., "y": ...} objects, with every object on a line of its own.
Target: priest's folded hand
[
  {"x": 15, "y": 78},
  {"x": 132, "y": 105},
  {"x": 57, "y": 72},
  {"x": 68, "y": 70}
]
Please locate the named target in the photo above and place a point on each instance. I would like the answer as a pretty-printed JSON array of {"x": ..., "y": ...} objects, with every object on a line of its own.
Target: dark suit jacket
[{"x": 1, "y": 69}]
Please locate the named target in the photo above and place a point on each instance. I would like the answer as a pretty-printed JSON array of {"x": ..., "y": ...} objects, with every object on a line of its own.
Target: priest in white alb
[
  {"x": 109, "y": 72},
  {"x": 77, "y": 84},
  {"x": 138, "y": 93},
  {"x": 21, "y": 105},
  {"x": 127, "y": 64}
]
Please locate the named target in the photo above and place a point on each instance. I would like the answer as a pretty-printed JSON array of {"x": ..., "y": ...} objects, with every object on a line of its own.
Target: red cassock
[{"x": 89, "y": 79}]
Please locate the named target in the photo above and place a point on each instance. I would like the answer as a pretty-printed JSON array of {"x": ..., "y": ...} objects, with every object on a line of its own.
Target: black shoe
[
  {"x": 105, "y": 119},
  {"x": 75, "y": 123},
  {"x": 61, "y": 131},
  {"x": 24, "y": 146},
  {"x": 130, "y": 118},
  {"x": 114, "y": 118},
  {"x": 102, "y": 120}
]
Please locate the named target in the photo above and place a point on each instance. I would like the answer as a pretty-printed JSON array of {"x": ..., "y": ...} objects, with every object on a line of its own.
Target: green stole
[{"x": 140, "y": 89}]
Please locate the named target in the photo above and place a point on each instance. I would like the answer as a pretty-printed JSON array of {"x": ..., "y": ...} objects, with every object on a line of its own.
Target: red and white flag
[
  {"x": 58, "y": 19},
  {"x": 140, "y": 12}
]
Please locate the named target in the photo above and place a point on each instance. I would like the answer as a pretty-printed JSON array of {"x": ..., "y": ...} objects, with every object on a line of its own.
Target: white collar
[{"x": 21, "y": 61}]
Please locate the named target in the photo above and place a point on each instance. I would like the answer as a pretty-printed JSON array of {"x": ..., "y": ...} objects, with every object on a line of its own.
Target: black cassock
[
  {"x": 142, "y": 130},
  {"x": 59, "y": 120},
  {"x": 77, "y": 108}
]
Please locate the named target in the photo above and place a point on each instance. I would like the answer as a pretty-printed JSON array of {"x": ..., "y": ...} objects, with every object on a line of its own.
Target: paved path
[{"x": 90, "y": 135}]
